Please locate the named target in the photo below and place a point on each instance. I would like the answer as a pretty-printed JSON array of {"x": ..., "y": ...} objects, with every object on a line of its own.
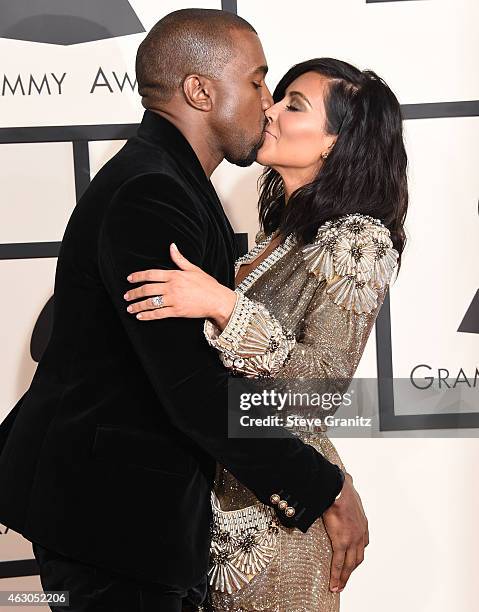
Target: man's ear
[{"x": 198, "y": 91}]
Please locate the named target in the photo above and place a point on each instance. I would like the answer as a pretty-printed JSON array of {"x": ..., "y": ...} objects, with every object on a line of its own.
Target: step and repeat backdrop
[{"x": 68, "y": 100}]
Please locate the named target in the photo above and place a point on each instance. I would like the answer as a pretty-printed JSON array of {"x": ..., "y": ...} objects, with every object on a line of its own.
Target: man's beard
[{"x": 246, "y": 160}]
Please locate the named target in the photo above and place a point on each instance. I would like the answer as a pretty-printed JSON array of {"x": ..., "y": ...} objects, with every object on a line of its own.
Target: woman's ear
[
  {"x": 197, "y": 90},
  {"x": 333, "y": 142},
  {"x": 325, "y": 154}
]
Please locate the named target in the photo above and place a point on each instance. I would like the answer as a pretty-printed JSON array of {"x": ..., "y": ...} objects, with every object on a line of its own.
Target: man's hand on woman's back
[{"x": 347, "y": 527}]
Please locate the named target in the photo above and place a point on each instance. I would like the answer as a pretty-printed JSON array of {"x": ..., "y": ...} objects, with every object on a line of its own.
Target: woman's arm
[{"x": 353, "y": 265}]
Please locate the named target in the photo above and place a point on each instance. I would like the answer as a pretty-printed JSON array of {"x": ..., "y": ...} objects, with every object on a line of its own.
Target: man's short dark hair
[{"x": 188, "y": 41}]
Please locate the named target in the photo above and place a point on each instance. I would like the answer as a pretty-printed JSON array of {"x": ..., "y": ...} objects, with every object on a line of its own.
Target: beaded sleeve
[
  {"x": 253, "y": 342},
  {"x": 353, "y": 259}
]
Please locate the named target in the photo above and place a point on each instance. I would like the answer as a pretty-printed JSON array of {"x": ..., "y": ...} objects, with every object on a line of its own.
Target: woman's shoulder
[
  {"x": 354, "y": 253},
  {"x": 354, "y": 225}
]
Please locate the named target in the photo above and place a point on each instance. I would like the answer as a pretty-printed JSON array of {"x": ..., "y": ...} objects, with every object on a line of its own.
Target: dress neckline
[{"x": 276, "y": 254}]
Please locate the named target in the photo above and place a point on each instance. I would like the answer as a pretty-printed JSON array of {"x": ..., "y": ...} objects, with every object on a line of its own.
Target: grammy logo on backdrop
[
  {"x": 67, "y": 22},
  {"x": 470, "y": 323}
]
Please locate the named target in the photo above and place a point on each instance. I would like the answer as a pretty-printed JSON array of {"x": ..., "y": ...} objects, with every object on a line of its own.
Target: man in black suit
[{"x": 108, "y": 459}]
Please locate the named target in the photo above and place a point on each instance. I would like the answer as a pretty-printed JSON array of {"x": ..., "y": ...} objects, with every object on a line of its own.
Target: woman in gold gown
[{"x": 332, "y": 206}]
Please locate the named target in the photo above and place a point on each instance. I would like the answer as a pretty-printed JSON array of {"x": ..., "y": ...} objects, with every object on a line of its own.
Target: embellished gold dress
[{"x": 302, "y": 312}]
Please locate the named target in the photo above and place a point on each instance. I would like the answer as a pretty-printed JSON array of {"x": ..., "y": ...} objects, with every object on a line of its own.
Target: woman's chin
[{"x": 262, "y": 157}]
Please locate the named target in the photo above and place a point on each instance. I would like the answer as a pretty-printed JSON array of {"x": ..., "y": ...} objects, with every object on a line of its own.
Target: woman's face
[{"x": 295, "y": 135}]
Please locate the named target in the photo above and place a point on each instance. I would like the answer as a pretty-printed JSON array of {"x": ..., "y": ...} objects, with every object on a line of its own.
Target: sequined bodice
[{"x": 280, "y": 282}]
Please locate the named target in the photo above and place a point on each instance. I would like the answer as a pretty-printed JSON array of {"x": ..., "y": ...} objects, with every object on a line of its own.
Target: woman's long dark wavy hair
[{"x": 365, "y": 171}]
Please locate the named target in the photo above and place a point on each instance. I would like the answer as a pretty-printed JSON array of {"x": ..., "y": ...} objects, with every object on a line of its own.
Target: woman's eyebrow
[{"x": 301, "y": 95}]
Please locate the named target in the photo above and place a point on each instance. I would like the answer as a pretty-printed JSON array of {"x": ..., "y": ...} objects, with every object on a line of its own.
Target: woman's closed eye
[{"x": 291, "y": 107}]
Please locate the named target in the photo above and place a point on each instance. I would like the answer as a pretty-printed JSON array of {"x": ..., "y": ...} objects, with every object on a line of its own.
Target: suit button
[
  {"x": 275, "y": 498},
  {"x": 290, "y": 511},
  {"x": 282, "y": 504}
]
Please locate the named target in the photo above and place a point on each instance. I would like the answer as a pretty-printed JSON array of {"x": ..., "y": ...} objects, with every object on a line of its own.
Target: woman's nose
[{"x": 272, "y": 113}]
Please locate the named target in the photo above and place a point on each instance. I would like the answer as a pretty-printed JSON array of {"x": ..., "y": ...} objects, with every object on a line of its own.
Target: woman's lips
[{"x": 269, "y": 134}]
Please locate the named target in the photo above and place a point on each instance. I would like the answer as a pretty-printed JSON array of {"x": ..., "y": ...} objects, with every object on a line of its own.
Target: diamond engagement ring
[{"x": 157, "y": 301}]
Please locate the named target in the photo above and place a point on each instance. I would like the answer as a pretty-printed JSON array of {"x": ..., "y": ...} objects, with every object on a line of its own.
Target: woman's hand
[{"x": 188, "y": 292}]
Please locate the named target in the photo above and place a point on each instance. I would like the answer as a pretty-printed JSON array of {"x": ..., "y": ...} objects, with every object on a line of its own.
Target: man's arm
[
  {"x": 7, "y": 424},
  {"x": 144, "y": 217}
]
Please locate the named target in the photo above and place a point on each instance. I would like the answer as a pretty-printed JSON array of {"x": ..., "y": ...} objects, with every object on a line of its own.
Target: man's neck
[{"x": 209, "y": 158}]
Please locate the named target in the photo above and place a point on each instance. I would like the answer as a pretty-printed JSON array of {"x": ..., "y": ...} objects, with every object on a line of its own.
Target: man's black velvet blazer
[{"x": 109, "y": 457}]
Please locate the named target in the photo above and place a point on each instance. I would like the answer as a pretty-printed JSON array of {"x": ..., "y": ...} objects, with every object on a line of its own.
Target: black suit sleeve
[
  {"x": 144, "y": 217},
  {"x": 7, "y": 423}
]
